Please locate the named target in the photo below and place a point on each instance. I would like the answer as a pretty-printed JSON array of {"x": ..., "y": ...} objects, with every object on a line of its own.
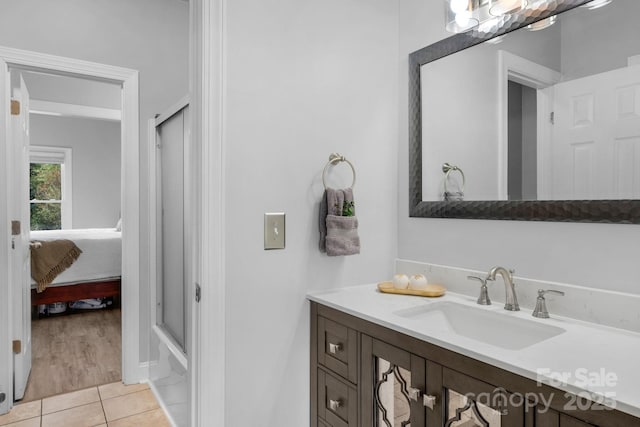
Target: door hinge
[
  {"x": 15, "y": 107},
  {"x": 552, "y": 118},
  {"x": 198, "y": 292},
  {"x": 15, "y": 228},
  {"x": 17, "y": 346}
]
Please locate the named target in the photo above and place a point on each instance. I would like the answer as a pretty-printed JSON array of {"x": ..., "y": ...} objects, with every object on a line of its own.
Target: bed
[{"x": 95, "y": 274}]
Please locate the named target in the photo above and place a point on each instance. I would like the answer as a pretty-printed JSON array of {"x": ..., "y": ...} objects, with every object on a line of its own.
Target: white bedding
[{"x": 101, "y": 254}]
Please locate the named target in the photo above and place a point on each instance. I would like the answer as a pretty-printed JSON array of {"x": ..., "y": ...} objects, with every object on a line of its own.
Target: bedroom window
[{"x": 50, "y": 187}]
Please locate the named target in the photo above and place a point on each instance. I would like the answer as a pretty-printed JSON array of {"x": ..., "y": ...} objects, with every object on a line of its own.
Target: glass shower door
[{"x": 174, "y": 266}]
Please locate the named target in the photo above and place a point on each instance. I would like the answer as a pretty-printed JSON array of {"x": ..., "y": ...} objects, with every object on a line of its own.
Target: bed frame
[{"x": 64, "y": 293}]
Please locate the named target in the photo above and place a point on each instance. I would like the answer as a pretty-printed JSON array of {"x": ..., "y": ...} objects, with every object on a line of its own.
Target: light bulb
[
  {"x": 463, "y": 18},
  {"x": 541, "y": 25},
  {"x": 458, "y": 6},
  {"x": 504, "y": 7},
  {"x": 595, "y": 4}
]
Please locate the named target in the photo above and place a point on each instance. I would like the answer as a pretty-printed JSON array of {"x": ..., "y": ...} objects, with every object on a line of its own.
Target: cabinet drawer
[
  {"x": 567, "y": 421},
  {"x": 338, "y": 349},
  {"x": 546, "y": 417},
  {"x": 337, "y": 401}
]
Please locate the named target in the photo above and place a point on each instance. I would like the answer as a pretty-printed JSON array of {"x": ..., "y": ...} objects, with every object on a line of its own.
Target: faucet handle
[
  {"x": 483, "y": 299},
  {"x": 478, "y": 278},
  {"x": 541, "y": 303},
  {"x": 542, "y": 292}
]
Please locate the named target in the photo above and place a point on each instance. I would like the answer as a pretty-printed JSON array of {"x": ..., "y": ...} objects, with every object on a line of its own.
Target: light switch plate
[{"x": 274, "y": 229}]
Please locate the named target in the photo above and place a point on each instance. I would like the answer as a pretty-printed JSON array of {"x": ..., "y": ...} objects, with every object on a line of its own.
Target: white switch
[{"x": 274, "y": 230}]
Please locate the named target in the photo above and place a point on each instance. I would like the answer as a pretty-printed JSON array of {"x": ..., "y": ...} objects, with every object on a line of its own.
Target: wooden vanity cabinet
[
  {"x": 367, "y": 375},
  {"x": 397, "y": 372},
  {"x": 551, "y": 418}
]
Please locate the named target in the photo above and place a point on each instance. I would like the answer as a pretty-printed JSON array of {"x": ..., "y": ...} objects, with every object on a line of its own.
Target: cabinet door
[
  {"x": 546, "y": 417},
  {"x": 567, "y": 421},
  {"x": 469, "y": 403},
  {"x": 393, "y": 382}
]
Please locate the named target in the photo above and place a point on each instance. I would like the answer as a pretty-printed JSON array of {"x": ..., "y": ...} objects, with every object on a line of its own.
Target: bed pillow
[{"x": 119, "y": 225}]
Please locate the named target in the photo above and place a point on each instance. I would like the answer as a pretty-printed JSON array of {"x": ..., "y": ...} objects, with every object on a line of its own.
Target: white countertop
[{"x": 598, "y": 362}]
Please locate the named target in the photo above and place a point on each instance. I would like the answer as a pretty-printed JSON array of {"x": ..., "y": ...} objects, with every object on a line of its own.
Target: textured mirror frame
[{"x": 608, "y": 211}]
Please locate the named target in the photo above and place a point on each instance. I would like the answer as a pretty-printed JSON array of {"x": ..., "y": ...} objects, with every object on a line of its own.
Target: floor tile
[
  {"x": 80, "y": 416},
  {"x": 70, "y": 400},
  {"x": 130, "y": 404},
  {"x": 109, "y": 391},
  {"x": 22, "y": 411},
  {"x": 32, "y": 422},
  {"x": 154, "y": 418}
]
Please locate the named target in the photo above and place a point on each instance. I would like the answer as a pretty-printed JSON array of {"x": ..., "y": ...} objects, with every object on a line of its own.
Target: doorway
[
  {"x": 524, "y": 93},
  {"x": 74, "y": 168},
  {"x": 13, "y": 316},
  {"x": 523, "y": 143}
]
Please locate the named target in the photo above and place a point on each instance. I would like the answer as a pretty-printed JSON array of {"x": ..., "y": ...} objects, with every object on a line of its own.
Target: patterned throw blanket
[{"x": 50, "y": 258}]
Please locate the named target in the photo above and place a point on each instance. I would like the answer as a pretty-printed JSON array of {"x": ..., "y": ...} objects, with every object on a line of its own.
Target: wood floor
[{"x": 74, "y": 352}]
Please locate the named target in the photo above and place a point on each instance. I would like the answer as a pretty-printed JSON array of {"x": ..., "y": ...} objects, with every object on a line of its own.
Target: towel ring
[
  {"x": 334, "y": 159},
  {"x": 447, "y": 168}
]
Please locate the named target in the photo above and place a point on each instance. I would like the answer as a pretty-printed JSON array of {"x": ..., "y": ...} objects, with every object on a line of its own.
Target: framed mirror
[{"x": 533, "y": 116}]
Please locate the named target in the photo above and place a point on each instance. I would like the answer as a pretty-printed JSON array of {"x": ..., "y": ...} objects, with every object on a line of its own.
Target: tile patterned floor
[{"x": 110, "y": 405}]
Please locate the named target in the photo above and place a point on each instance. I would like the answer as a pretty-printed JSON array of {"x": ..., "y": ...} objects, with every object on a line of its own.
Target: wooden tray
[{"x": 431, "y": 291}]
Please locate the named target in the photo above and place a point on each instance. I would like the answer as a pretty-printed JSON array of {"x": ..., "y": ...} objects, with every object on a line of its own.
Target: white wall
[
  {"x": 73, "y": 90},
  {"x": 585, "y": 53},
  {"x": 95, "y": 146},
  {"x": 594, "y": 255},
  {"x": 146, "y": 35},
  {"x": 463, "y": 129},
  {"x": 304, "y": 79}
]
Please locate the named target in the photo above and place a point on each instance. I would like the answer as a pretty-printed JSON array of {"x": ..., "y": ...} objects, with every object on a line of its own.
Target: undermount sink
[{"x": 497, "y": 329}]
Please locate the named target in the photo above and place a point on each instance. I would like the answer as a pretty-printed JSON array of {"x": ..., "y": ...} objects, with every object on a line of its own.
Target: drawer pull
[
  {"x": 335, "y": 404},
  {"x": 427, "y": 400},
  {"x": 334, "y": 348}
]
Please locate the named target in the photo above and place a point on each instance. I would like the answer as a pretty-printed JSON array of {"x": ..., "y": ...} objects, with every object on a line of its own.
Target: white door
[
  {"x": 596, "y": 137},
  {"x": 20, "y": 256}
]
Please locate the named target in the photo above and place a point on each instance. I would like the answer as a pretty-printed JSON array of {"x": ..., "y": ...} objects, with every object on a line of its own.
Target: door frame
[
  {"x": 132, "y": 370},
  {"x": 182, "y": 353},
  {"x": 528, "y": 73},
  {"x": 207, "y": 88}
]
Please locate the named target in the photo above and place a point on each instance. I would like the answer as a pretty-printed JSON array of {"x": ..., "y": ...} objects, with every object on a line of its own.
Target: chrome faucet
[
  {"x": 541, "y": 304},
  {"x": 483, "y": 299},
  {"x": 511, "y": 301}
]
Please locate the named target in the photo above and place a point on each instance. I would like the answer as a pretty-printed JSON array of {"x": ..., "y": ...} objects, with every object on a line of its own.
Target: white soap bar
[
  {"x": 400, "y": 281},
  {"x": 418, "y": 282}
]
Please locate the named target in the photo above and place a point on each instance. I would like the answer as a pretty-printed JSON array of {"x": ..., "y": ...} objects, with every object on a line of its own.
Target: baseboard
[
  {"x": 139, "y": 375},
  {"x": 156, "y": 394}
]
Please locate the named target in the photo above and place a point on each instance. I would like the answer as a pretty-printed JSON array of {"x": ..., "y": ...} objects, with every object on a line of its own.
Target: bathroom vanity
[{"x": 389, "y": 360}]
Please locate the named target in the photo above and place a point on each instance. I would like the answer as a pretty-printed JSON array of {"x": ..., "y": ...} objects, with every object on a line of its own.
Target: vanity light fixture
[
  {"x": 595, "y": 4},
  {"x": 464, "y": 15},
  {"x": 506, "y": 7},
  {"x": 541, "y": 25},
  {"x": 461, "y": 15}
]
